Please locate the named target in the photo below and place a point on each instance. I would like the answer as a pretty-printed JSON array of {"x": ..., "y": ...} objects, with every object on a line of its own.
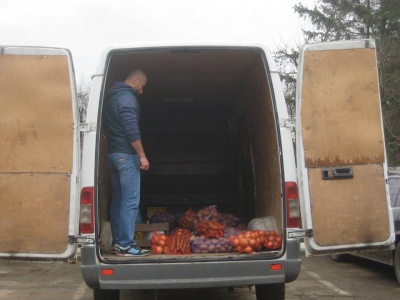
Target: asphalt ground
[{"x": 320, "y": 278}]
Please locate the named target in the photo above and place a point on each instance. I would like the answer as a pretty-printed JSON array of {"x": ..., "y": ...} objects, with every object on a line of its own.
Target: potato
[{"x": 203, "y": 246}]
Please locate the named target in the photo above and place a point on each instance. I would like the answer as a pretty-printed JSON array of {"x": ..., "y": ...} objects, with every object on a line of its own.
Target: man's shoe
[
  {"x": 115, "y": 248},
  {"x": 130, "y": 251}
]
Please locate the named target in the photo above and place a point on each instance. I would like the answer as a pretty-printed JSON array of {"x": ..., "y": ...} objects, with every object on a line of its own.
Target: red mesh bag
[
  {"x": 210, "y": 229},
  {"x": 273, "y": 240},
  {"x": 186, "y": 221},
  {"x": 207, "y": 213},
  {"x": 178, "y": 242},
  {"x": 249, "y": 241},
  {"x": 159, "y": 242}
]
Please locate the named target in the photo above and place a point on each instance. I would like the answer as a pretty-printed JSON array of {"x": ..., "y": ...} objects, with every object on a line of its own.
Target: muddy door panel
[
  {"x": 352, "y": 208},
  {"x": 340, "y": 146},
  {"x": 37, "y": 144}
]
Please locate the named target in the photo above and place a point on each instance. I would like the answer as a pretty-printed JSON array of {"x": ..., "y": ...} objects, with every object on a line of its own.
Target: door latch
[
  {"x": 337, "y": 173},
  {"x": 80, "y": 240},
  {"x": 87, "y": 127},
  {"x": 300, "y": 233}
]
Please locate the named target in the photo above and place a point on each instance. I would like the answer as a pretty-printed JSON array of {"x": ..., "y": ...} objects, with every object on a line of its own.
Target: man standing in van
[{"x": 125, "y": 158}]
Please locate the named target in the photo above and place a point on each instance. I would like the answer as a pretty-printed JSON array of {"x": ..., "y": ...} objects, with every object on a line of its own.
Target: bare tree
[
  {"x": 286, "y": 57},
  {"x": 83, "y": 91},
  {"x": 355, "y": 19}
]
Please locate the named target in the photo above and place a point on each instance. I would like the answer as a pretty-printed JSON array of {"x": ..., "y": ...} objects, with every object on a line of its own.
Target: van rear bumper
[{"x": 181, "y": 275}]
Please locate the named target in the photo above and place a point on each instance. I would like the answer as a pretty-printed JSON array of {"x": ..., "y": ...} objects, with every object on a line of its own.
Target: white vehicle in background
[{"x": 388, "y": 257}]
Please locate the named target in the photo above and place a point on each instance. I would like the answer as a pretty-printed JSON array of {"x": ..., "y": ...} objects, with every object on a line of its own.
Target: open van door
[
  {"x": 341, "y": 160},
  {"x": 39, "y": 144}
]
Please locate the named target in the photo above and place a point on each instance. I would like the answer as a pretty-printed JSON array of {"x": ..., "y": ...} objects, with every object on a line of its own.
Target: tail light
[
  {"x": 86, "y": 220},
  {"x": 292, "y": 205}
]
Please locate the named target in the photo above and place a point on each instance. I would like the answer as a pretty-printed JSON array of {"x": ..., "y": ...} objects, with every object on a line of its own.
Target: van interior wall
[
  {"x": 192, "y": 155},
  {"x": 104, "y": 181},
  {"x": 263, "y": 152}
]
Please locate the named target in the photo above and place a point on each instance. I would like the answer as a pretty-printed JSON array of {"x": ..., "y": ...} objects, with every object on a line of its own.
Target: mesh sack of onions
[
  {"x": 273, "y": 240},
  {"x": 158, "y": 242},
  {"x": 249, "y": 241}
]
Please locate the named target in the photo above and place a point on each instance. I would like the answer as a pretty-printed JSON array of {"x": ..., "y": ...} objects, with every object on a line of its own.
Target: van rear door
[
  {"x": 39, "y": 144},
  {"x": 341, "y": 158}
]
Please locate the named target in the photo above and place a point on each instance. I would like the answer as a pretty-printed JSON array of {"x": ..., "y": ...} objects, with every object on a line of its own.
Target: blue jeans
[{"x": 125, "y": 196}]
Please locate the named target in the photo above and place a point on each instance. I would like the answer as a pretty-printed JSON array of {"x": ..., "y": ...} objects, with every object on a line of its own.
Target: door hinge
[
  {"x": 300, "y": 233},
  {"x": 80, "y": 240},
  {"x": 289, "y": 123},
  {"x": 87, "y": 127}
]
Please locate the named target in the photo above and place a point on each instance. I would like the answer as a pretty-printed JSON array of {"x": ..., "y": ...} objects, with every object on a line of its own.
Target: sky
[{"x": 86, "y": 27}]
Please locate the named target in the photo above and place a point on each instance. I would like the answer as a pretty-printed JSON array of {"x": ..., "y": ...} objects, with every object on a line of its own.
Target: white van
[{"x": 216, "y": 132}]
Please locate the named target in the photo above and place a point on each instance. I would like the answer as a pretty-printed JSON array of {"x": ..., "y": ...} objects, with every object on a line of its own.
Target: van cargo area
[{"x": 210, "y": 132}]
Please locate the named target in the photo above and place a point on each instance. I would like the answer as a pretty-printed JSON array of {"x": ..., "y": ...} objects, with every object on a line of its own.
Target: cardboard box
[{"x": 143, "y": 232}]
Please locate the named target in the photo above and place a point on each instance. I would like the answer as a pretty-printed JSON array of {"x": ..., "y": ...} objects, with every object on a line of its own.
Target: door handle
[{"x": 337, "y": 173}]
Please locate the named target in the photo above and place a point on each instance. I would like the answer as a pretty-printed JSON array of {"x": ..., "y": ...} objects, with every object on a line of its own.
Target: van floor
[{"x": 192, "y": 256}]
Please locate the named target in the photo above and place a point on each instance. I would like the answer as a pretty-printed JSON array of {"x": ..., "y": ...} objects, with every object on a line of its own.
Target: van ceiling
[{"x": 206, "y": 76}]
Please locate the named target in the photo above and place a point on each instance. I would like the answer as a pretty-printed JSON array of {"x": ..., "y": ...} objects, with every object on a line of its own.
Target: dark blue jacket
[{"x": 121, "y": 113}]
